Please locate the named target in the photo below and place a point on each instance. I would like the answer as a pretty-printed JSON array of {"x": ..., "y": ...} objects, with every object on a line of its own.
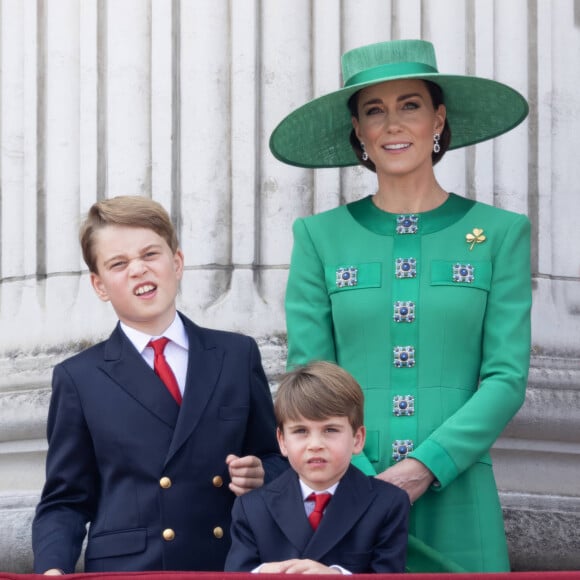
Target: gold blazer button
[
  {"x": 165, "y": 482},
  {"x": 217, "y": 481},
  {"x": 218, "y": 533},
  {"x": 168, "y": 534}
]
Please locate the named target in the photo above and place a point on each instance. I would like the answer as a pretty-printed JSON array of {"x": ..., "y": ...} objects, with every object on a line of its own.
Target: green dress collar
[{"x": 368, "y": 215}]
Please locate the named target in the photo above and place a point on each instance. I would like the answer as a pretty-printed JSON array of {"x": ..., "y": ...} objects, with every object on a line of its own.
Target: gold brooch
[{"x": 476, "y": 237}]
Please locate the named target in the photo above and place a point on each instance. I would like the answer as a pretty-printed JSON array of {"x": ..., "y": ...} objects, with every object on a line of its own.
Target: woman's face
[{"x": 396, "y": 122}]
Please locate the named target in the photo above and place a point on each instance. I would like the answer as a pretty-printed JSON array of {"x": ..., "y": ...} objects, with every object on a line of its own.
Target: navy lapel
[
  {"x": 204, "y": 366},
  {"x": 126, "y": 367},
  {"x": 352, "y": 498},
  {"x": 283, "y": 499}
]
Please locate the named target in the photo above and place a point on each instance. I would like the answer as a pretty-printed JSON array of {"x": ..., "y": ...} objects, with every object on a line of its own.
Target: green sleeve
[
  {"x": 466, "y": 436},
  {"x": 308, "y": 308}
]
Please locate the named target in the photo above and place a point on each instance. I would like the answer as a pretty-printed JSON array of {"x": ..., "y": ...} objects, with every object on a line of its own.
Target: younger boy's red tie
[
  {"x": 162, "y": 368},
  {"x": 320, "y": 500}
]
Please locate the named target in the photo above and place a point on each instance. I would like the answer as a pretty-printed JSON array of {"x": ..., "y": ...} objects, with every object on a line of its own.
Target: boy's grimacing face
[
  {"x": 139, "y": 274},
  {"x": 320, "y": 451}
]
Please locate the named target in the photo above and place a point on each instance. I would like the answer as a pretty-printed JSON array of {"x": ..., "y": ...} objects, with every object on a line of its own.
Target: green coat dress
[{"x": 431, "y": 314}]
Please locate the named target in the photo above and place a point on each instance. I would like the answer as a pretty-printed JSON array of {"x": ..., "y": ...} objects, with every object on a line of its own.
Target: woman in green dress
[{"x": 423, "y": 295}]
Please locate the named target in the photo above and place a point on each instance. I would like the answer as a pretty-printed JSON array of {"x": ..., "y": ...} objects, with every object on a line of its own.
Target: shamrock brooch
[{"x": 476, "y": 237}]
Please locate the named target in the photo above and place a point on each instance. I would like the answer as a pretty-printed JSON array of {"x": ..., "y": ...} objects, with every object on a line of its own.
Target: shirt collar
[
  {"x": 306, "y": 491},
  {"x": 175, "y": 332}
]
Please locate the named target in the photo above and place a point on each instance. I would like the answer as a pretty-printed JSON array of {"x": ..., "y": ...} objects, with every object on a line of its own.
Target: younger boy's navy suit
[
  {"x": 364, "y": 528},
  {"x": 149, "y": 476}
]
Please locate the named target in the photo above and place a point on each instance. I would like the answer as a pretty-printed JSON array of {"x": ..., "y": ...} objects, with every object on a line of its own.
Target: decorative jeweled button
[
  {"x": 401, "y": 448},
  {"x": 463, "y": 273},
  {"x": 407, "y": 224},
  {"x": 346, "y": 277},
  {"x": 405, "y": 267},
  {"x": 168, "y": 535},
  {"x": 404, "y": 356},
  {"x": 403, "y": 405},
  {"x": 165, "y": 482},
  {"x": 217, "y": 481},
  {"x": 403, "y": 311}
]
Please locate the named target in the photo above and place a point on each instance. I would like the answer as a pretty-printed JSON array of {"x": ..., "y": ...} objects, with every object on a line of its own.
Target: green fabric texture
[
  {"x": 423, "y": 559},
  {"x": 470, "y": 340}
]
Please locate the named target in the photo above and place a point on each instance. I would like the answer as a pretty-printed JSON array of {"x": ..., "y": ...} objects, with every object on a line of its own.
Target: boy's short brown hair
[
  {"x": 125, "y": 210},
  {"x": 317, "y": 391}
]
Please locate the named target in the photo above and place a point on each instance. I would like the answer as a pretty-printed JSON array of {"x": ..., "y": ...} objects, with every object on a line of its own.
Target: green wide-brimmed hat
[{"x": 317, "y": 133}]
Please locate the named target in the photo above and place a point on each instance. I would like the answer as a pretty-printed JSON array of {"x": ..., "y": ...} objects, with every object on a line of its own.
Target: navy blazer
[
  {"x": 148, "y": 476},
  {"x": 364, "y": 528}
]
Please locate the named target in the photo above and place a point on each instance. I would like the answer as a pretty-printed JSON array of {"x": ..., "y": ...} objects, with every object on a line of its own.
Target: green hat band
[{"x": 390, "y": 70}]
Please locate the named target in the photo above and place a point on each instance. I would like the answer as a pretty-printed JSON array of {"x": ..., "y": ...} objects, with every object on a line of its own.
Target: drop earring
[
  {"x": 436, "y": 146},
  {"x": 365, "y": 155}
]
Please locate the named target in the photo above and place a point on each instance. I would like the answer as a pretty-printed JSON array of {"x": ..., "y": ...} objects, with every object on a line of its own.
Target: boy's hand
[
  {"x": 54, "y": 572},
  {"x": 297, "y": 566},
  {"x": 246, "y": 473}
]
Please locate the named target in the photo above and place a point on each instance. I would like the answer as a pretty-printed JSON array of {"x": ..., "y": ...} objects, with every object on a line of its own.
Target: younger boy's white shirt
[
  {"x": 176, "y": 351},
  {"x": 306, "y": 491}
]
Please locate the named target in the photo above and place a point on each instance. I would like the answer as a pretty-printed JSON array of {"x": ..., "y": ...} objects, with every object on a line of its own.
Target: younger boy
[
  {"x": 319, "y": 413},
  {"x": 149, "y": 440}
]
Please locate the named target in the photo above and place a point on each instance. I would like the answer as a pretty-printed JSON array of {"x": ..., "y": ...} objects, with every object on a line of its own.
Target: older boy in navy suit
[
  {"x": 153, "y": 432},
  {"x": 363, "y": 529}
]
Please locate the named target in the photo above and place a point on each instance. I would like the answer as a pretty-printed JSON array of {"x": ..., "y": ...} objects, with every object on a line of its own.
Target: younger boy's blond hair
[
  {"x": 317, "y": 391},
  {"x": 125, "y": 210}
]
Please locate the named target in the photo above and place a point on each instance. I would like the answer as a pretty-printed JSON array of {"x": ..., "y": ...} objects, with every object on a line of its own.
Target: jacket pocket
[
  {"x": 349, "y": 276},
  {"x": 372, "y": 448},
  {"x": 467, "y": 274},
  {"x": 118, "y": 543}
]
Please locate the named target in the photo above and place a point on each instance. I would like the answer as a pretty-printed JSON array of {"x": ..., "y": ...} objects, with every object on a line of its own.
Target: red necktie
[
  {"x": 320, "y": 500},
  {"x": 163, "y": 370}
]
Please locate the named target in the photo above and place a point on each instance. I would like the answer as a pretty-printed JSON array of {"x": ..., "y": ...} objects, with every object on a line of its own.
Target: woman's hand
[{"x": 411, "y": 475}]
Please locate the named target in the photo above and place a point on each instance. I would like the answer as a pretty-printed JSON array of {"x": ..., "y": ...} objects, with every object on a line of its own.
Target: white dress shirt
[
  {"x": 306, "y": 491},
  {"x": 176, "y": 351}
]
